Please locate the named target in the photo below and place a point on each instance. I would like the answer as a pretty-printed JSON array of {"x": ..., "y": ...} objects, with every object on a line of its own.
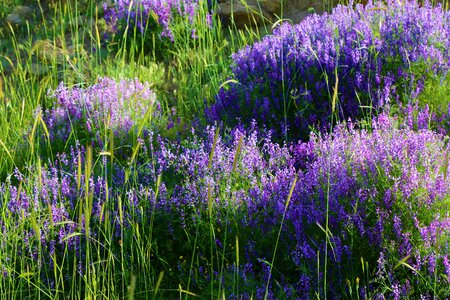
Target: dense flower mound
[
  {"x": 89, "y": 114},
  {"x": 385, "y": 191},
  {"x": 352, "y": 62},
  {"x": 147, "y": 13}
]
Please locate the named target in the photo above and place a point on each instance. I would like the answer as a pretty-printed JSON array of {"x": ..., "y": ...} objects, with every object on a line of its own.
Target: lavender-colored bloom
[
  {"x": 88, "y": 114},
  {"x": 419, "y": 118},
  {"x": 446, "y": 263}
]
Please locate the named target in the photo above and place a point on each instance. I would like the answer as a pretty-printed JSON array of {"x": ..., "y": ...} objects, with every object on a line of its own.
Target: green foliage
[{"x": 436, "y": 94}]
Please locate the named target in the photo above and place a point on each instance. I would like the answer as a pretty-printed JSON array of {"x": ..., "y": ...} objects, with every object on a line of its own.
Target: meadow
[{"x": 149, "y": 151}]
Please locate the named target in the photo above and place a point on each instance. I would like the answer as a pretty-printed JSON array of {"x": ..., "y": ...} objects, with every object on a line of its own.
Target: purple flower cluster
[
  {"x": 382, "y": 189},
  {"x": 87, "y": 115},
  {"x": 49, "y": 206},
  {"x": 147, "y": 13},
  {"x": 378, "y": 191},
  {"x": 363, "y": 57}
]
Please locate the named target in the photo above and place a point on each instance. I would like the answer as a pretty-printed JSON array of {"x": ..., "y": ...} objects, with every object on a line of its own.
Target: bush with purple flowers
[
  {"x": 420, "y": 118},
  {"x": 108, "y": 110},
  {"x": 144, "y": 13},
  {"x": 378, "y": 193},
  {"x": 349, "y": 63}
]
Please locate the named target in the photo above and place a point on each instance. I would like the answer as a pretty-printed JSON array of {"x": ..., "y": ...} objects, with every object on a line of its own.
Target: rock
[
  {"x": 19, "y": 15},
  {"x": 253, "y": 12},
  {"x": 242, "y": 13},
  {"x": 298, "y": 10},
  {"x": 297, "y": 16},
  {"x": 305, "y": 5},
  {"x": 271, "y": 6}
]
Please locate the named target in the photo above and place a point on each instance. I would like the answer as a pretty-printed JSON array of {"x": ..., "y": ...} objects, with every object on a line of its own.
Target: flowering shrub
[
  {"x": 381, "y": 193},
  {"x": 386, "y": 188},
  {"x": 360, "y": 58},
  {"x": 89, "y": 115},
  {"x": 151, "y": 15}
]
